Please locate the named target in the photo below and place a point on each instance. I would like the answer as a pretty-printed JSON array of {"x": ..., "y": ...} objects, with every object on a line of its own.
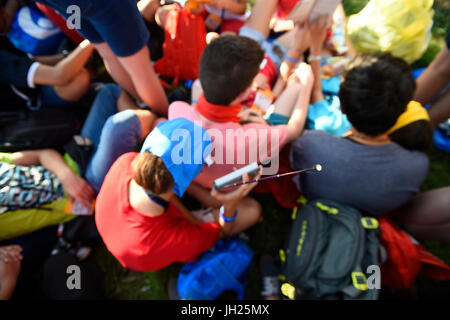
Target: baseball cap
[{"x": 184, "y": 148}]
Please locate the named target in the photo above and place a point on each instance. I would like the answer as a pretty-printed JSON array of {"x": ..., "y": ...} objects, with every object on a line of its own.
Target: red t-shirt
[{"x": 141, "y": 242}]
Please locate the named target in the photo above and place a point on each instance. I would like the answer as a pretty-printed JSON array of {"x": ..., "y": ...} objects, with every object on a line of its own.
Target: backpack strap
[
  {"x": 230, "y": 277},
  {"x": 352, "y": 292},
  {"x": 358, "y": 286}
]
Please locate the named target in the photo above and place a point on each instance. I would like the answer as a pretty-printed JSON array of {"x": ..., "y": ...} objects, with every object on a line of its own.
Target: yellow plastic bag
[{"x": 401, "y": 27}]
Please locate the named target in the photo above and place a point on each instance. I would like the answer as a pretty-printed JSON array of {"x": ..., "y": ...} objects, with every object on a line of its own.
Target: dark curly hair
[{"x": 375, "y": 91}]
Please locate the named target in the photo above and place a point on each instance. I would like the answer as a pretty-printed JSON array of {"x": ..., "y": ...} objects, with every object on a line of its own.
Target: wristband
[
  {"x": 226, "y": 219},
  {"x": 313, "y": 57},
  {"x": 290, "y": 59}
]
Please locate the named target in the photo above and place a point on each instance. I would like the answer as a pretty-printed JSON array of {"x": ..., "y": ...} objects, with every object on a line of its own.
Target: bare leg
[
  {"x": 249, "y": 214},
  {"x": 427, "y": 215},
  {"x": 440, "y": 110},
  {"x": 145, "y": 80},
  {"x": 262, "y": 12},
  {"x": 125, "y": 102},
  {"x": 76, "y": 88},
  {"x": 434, "y": 78},
  {"x": 136, "y": 75},
  {"x": 115, "y": 69}
]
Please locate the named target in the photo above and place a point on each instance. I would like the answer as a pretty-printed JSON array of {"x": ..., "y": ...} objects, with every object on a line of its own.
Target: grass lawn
[{"x": 269, "y": 235}]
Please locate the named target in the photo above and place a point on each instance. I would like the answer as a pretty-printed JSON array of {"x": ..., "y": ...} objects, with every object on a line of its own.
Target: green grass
[{"x": 268, "y": 236}]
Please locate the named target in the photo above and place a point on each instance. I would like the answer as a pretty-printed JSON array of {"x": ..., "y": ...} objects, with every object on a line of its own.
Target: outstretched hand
[
  {"x": 236, "y": 195},
  {"x": 78, "y": 189},
  {"x": 318, "y": 32}
]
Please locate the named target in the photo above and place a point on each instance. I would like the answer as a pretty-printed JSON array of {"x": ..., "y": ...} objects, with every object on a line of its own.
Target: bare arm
[
  {"x": 230, "y": 5},
  {"x": 231, "y": 201},
  {"x": 66, "y": 69},
  {"x": 318, "y": 33},
  {"x": 76, "y": 187},
  {"x": 304, "y": 84},
  {"x": 297, "y": 41},
  {"x": 49, "y": 60}
]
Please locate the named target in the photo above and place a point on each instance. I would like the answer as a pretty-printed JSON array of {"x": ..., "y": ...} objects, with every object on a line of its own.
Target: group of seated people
[{"x": 146, "y": 154}]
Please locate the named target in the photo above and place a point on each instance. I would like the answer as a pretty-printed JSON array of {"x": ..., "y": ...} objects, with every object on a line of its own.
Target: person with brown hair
[{"x": 138, "y": 211}]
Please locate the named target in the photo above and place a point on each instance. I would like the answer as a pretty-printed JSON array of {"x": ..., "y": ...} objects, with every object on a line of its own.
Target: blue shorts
[
  {"x": 273, "y": 49},
  {"x": 51, "y": 99},
  {"x": 116, "y": 22},
  {"x": 275, "y": 119}
]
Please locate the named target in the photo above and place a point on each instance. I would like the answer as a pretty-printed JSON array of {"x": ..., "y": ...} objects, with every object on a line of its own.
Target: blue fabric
[
  {"x": 32, "y": 32},
  {"x": 441, "y": 140},
  {"x": 51, "y": 99},
  {"x": 272, "y": 48},
  {"x": 222, "y": 268},
  {"x": 183, "y": 146},
  {"x": 275, "y": 119},
  {"x": 326, "y": 114},
  {"x": 116, "y": 22},
  {"x": 112, "y": 134}
]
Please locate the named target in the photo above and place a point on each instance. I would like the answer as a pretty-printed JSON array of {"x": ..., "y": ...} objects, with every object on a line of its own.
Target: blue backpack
[
  {"x": 33, "y": 33},
  {"x": 224, "y": 267}
]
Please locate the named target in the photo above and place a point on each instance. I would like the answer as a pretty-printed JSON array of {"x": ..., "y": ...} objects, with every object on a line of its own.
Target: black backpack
[
  {"x": 26, "y": 129},
  {"x": 329, "y": 250}
]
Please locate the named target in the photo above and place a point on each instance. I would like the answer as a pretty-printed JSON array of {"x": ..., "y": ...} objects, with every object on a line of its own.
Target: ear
[{"x": 244, "y": 94}]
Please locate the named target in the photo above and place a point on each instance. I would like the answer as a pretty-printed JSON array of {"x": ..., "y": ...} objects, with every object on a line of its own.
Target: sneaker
[{"x": 270, "y": 282}]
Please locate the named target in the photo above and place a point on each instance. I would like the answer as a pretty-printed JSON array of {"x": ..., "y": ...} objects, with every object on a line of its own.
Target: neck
[
  {"x": 141, "y": 202},
  {"x": 362, "y": 138},
  {"x": 218, "y": 113}
]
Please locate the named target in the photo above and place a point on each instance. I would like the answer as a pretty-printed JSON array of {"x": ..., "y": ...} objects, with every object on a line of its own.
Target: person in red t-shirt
[{"x": 139, "y": 215}]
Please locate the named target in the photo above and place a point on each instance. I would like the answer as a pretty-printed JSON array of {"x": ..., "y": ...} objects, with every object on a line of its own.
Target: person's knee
[
  {"x": 146, "y": 119},
  {"x": 252, "y": 208},
  {"x": 122, "y": 126},
  {"x": 83, "y": 81},
  {"x": 162, "y": 13}
]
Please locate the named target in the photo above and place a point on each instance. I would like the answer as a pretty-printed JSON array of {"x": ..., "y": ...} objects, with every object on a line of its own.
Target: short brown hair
[
  {"x": 150, "y": 172},
  {"x": 228, "y": 66}
]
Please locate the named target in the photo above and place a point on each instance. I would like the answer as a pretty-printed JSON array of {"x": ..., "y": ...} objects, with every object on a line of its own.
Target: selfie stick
[{"x": 316, "y": 167}]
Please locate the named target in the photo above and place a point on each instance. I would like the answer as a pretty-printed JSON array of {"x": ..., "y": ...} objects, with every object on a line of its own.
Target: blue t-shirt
[{"x": 374, "y": 179}]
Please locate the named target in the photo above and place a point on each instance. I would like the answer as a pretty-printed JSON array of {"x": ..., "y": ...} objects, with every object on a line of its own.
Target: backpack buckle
[
  {"x": 288, "y": 290},
  {"x": 370, "y": 223},
  {"x": 359, "y": 281}
]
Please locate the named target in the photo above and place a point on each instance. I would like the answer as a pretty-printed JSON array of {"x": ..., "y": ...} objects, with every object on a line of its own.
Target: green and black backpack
[{"x": 332, "y": 252}]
